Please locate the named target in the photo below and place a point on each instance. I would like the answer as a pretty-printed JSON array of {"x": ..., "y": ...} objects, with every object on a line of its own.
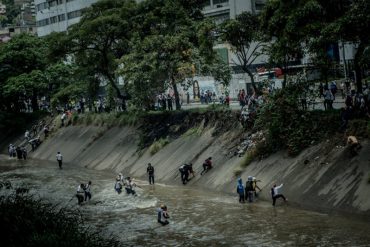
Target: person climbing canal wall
[{"x": 311, "y": 184}]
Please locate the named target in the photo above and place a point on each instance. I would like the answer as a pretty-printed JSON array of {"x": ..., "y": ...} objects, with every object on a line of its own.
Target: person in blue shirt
[{"x": 240, "y": 190}]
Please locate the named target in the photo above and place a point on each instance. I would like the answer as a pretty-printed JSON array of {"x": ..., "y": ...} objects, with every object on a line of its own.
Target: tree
[
  {"x": 354, "y": 26},
  {"x": 243, "y": 34},
  {"x": 101, "y": 38},
  {"x": 30, "y": 85},
  {"x": 21, "y": 61},
  {"x": 164, "y": 49},
  {"x": 281, "y": 27},
  {"x": 329, "y": 21}
]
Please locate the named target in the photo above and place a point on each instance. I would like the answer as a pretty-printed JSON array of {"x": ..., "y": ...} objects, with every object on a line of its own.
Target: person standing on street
[
  {"x": 150, "y": 171},
  {"x": 59, "y": 159}
]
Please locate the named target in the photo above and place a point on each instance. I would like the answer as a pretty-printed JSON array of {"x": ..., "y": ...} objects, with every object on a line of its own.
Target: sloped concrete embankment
[{"x": 321, "y": 177}]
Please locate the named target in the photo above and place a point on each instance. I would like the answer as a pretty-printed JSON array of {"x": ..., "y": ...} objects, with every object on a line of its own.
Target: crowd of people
[{"x": 165, "y": 102}]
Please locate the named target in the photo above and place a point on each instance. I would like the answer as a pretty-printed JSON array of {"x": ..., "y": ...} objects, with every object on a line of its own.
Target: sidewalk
[{"x": 234, "y": 105}]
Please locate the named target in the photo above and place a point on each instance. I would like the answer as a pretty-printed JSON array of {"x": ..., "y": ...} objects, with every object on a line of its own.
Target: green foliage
[
  {"x": 195, "y": 131},
  {"x": 169, "y": 47},
  {"x": 102, "y": 36},
  {"x": 22, "y": 61},
  {"x": 74, "y": 118},
  {"x": 248, "y": 158},
  {"x": 359, "y": 127},
  {"x": 26, "y": 221},
  {"x": 238, "y": 172},
  {"x": 109, "y": 119},
  {"x": 12, "y": 12},
  {"x": 241, "y": 33},
  {"x": 289, "y": 127},
  {"x": 158, "y": 145}
]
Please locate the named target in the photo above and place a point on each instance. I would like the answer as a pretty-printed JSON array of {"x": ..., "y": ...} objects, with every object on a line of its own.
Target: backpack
[{"x": 249, "y": 186}]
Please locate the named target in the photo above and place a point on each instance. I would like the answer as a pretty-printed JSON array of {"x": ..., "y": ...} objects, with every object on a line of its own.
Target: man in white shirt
[
  {"x": 60, "y": 159},
  {"x": 80, "y": 193},
  {"x": 275, "y": 193}
]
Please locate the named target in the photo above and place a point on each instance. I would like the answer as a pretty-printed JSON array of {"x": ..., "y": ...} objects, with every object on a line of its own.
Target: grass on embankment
[
  {"x": 158, "y": 145},
  {"x": 26, "y": 221}
]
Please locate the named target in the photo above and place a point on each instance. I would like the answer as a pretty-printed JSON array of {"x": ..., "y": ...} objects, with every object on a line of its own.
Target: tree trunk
[
  {"x": 357, "y": 65},
  {"x": 177, "y": 98},
  {"x": 35, "y": 106},
  {"x": 250, "y": 74},
  {"x": 118, "y": 92}
]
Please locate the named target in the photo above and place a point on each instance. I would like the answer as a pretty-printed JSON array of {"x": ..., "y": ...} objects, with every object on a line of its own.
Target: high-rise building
[{"x": 58, "y": 15}]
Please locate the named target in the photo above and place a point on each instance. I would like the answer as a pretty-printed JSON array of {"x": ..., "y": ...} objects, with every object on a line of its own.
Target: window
[
  {"x": 74, "y": 14},
  {"x": 42, "y": 23},
  {"x": 218, "y": 19},
  {"x": 61, "y": 17},
  {"x": 54, "y": 19},
  {"x": 220, "y": 2},
  {"x": 53, "y": 3},
  {"x": 42, "y": 6},
  {"x": 206, "y": 3},
  {"x": 224, "y": 54}
]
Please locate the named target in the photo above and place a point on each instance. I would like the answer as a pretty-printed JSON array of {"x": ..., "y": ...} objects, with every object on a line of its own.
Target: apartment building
[{"x": 58, "y": 15}]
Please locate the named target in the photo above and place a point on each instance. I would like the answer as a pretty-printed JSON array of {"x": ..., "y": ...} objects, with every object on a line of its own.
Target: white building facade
[
  {"x": 220, "y": 11},
  {"x": 58, "y": 15}
]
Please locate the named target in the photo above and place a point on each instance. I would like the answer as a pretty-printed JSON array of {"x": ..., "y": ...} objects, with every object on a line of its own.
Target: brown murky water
[{"x": 198, "y": 218}]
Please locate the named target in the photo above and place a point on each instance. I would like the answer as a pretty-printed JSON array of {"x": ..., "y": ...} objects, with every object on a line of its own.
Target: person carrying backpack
[
  {"x": 249, "y": 193},
  {"x": 240, "y": 190}
]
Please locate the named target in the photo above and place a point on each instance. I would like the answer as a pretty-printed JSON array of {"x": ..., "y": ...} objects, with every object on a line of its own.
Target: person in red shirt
[
  {"x": 207, "y": 165},
  {"x": 227, "y": 100}
]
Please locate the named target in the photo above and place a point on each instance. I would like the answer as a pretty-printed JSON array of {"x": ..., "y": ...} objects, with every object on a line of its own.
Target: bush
[
  {"x": 248, "y": 158},
  {"x": 158, "y": 145},
  {"x": 25, "y": 221},
  {"x": 197, "y": 131},
  {"x": 238, "y": 172},
  {"x": 74, "y": 118},
  {"x": 287, "y": 126}
]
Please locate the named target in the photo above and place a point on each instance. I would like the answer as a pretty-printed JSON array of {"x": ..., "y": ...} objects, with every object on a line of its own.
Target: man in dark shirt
[{"x": 150, "y": 171}]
